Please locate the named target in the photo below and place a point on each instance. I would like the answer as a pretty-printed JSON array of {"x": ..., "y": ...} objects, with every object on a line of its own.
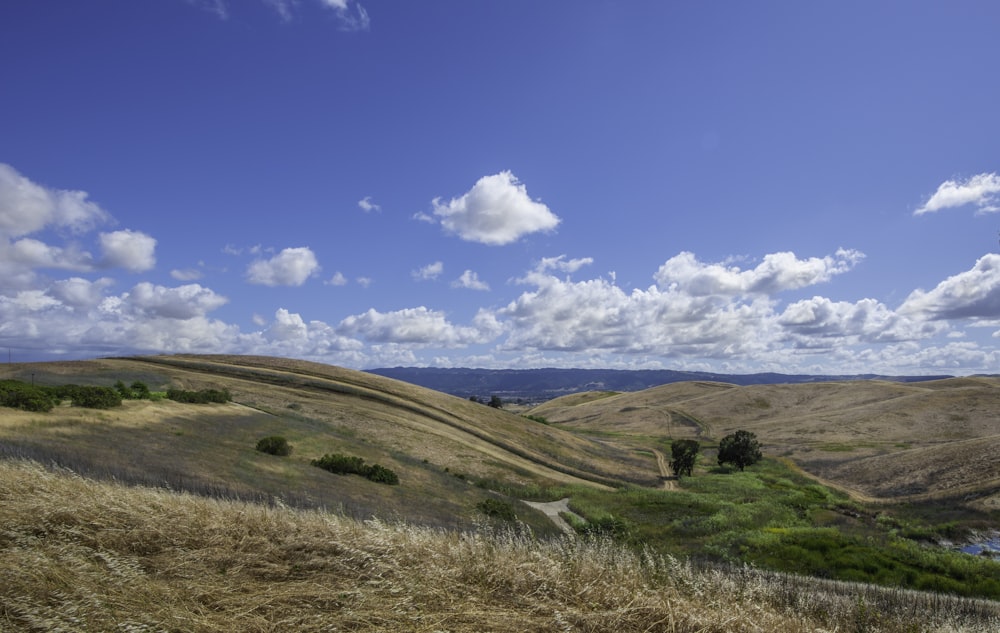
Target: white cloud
[
  {"x": 973, "y": 294},
  {"x": 26, "y": 207},
  {"x": 820, "y": 323},
  {"x": 365, "y": 282},
  {"x": 186, "y": 274},
  {"x": 30, "y": 253},
  {"x": 352, "y": 15},
  {"x": 290, "y": 267},
  {"x": 338, "y": 279},
  {"x": 428, "y": 272},
  {"x": 471, "y": 281},
  {"x": 417, "y": 326},
  {"x": 183, "y": 302},
  {"x": 776, "y": 273},
  {"x": 132, "y": 250},
  {"x": 981, "y": 190},
  {"x": 367, "y": 205},
  {"x": 560, "y": 263},
  {"x": 497, "y": 210},
  {"x": 80, "y": 293}
]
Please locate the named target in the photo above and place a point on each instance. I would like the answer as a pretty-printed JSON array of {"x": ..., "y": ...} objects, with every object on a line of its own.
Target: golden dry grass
[
  {"x": 78, "y": 555},
  {"x": 880, "y": 440}
]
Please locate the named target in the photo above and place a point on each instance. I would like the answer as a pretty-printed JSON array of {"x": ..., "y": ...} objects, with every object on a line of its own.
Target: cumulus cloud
[
  {"x": 497, "y": 210},
  {"x": 981, "y": 190},
  {"x": 80, "y": 294},
  {"x": 428, "y": 272},
  {"x": 560, "y": 263},
  {"x": 776, "y": 273},
  {"x": 338, "y": 279},
  {"x": 132, "y": 250},
  {"x": 973, "y": 294},
  {"x": 290, "y": 267},
  {"x": 183, "y": 302},
  {"x": 820, "y": 323},
  {"x": 420, "y": 327},
  {"x": 27, "y": 207},
  {"x": 471, "y": 281}
]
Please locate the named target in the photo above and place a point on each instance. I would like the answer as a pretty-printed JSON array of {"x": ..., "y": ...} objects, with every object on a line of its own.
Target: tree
[
  {"x": 683, "y": 454},
  {"x": 495, "y": 402},
  {"x": 740, "y": 449}
]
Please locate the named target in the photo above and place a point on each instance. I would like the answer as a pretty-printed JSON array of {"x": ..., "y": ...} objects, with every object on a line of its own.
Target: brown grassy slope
[
  {"x": 78, "y": 555},
  {"x": 880, "y": 439},
  {"x": 428, "y": 438}
]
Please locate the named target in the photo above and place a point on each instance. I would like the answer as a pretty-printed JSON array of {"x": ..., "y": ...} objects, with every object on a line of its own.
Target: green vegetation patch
[{"x": 351, "y": 465}]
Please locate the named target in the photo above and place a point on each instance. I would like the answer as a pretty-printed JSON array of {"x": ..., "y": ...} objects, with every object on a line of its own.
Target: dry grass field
[
  {"x": 211, "y": 534},
  {"x": 882, "y": 441},
  {"x": 81, "y": 555}
]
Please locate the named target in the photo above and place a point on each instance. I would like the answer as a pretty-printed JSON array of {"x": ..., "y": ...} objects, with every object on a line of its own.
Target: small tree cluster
[
  {"x": 205, "y": 396},
  {"x": 89, "y": 397},
  {"x": 350, "y": 465},
  {"x": 683, "y": 455},
  {"x": 274, "y": 445},
  {"x": 740, "y": 449}
]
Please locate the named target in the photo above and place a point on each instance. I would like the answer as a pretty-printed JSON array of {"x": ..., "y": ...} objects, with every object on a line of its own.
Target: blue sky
[{"x": 722, "y": 186}]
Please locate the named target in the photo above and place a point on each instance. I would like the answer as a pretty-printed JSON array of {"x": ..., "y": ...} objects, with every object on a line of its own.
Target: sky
[{"x": 737, "y": 187}]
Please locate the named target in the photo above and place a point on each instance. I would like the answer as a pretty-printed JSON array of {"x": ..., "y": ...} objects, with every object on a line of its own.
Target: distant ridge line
[{"x": 534, "y": 384}]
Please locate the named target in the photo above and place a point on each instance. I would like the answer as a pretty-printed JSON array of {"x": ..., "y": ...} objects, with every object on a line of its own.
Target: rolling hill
[{"x": 270, "y": 542}]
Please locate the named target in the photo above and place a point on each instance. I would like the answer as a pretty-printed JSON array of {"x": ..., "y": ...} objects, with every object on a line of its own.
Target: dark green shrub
[
  {"x": 274, "y": 445},
  {"x": 96, "y": 397},
  {"x": 20, "y": 395},
  {"x": 497, "y": 509},
  {"x": 350, "y": 465},
  {"x": 205, "y": 396},
  {"x": 140, "y": 390},
  {"x": 381, "y": 475}
]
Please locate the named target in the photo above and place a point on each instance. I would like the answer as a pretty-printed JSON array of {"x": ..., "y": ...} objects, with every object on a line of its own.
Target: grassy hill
[{"x": 862, "y": 482}]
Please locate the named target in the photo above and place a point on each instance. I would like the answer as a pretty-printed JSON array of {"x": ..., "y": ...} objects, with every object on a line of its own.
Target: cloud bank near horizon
[{"x": 57, "y": 299}]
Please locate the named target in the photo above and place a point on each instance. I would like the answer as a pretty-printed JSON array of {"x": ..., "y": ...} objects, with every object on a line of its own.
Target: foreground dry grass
[{"x": 78, "y": 555}]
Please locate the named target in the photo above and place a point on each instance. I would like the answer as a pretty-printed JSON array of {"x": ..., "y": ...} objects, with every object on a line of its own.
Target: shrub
[
  {"x": 205, "y": 396},
  {"x": 20, "y": 395},
  {"x": 96, "y": 397},
  {"x": 274, "y": 445},
  {"x": 350, "y": 465},
  {"x": 497, "y": 509}
]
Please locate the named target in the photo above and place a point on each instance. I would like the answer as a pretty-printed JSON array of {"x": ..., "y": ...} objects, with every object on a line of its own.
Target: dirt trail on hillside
[{"x": 669, "y": 481}]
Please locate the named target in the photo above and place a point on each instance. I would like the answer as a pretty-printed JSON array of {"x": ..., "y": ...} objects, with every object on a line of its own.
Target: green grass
[{"x": 774, "y": 518}]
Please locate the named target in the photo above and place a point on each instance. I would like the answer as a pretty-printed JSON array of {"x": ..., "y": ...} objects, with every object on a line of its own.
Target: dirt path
[
  {"x": 669, "y": 481},
  {"x": 552, "y": 509}
]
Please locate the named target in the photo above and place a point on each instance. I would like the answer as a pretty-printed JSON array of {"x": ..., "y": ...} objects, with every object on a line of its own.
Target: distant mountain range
[{"x": 537, "y": 385}]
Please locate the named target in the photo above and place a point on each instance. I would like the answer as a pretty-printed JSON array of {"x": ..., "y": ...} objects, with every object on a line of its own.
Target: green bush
[
  {"x": 21, "y": 395},
  {"x": 350, "y": 465},
  {"x": 96, "y": 397},
  {"x": 274, "y": 445},
  {"x": 205, "y": 396},
  {"x": 497, "y": 509}
]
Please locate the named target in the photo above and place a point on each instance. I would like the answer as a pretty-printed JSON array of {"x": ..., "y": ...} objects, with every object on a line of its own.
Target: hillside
[
  {"x": 886, "y": 441},
  {"x": 440, "y": 445},
  {"x": 862, "y": 480}
]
